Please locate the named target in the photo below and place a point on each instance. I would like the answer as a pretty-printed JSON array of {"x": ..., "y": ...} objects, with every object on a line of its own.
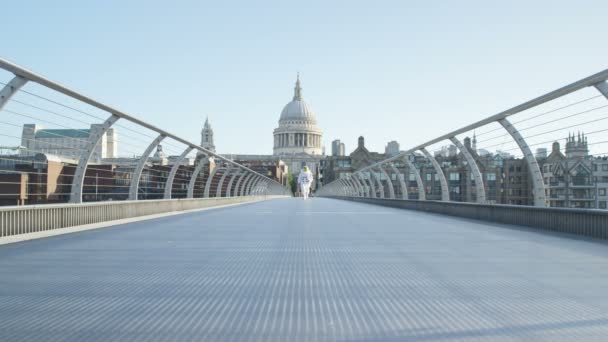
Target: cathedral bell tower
[{"x": 207, "y": 137}]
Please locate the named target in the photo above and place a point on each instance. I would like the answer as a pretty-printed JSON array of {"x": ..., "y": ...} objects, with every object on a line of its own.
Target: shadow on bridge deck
[{"x": 293, "y": 270}]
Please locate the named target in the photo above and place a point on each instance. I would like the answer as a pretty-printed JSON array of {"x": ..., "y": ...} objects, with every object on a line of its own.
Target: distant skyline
[{"x": 397, "y": 70}]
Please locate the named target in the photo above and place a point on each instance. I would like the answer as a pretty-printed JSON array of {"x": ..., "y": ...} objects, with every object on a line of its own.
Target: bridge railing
[
  {"x": 58, "y": 146},
  {"x": 498, "y": 166}
]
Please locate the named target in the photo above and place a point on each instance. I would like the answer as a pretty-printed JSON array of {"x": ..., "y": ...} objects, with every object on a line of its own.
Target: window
[
  {"x": 491, "y": 176},
  {"x": 429, "y": 177},
  {"x": 454, "y": 176},
  {"x": 605, "y": 167},
  {"x": 602, "y": 192},
  {"x": 602, "y": 204}
]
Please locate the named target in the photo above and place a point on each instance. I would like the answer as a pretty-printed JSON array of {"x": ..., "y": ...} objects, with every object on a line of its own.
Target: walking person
[{"x": 305, "y": 181}]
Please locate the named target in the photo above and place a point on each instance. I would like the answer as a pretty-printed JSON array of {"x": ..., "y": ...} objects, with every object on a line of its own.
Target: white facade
[
  {"x": 68, "y": 143},
  {"x": 298, "y": 140}
]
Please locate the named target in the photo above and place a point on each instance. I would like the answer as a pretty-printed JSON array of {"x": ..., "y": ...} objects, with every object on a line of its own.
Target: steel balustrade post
[
  {"x": 401, "y": 179},
  {"x": 173, "y": 172},
  {"x": 210, "y": 180},
  {"x": 81, "y": 168},
  {"x": 358, "y": 186},
  {"x": 202, "y": 162},
  {"x": 379, "y": 181},
  {"x": 479, "y": 186},
  {"x": 389, "y": 182},
  {"x": 218, "y": 191},
  {"x": 538, "y": 185},
  {"x": 445, "y": 191},
  {"x": 136, "y": 176},
  {"x": 419, "y": 184},
  {"x": 11, "y": 89}
]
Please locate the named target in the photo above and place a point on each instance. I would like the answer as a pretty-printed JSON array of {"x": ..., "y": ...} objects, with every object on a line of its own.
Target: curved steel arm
[
  {"x": 389, "y": 181},
  {"x": 210, "y": 180},
  {"x": 419, "y": 184},
  {"x": 11, "y": 89},
  {"x": 372, "y": 185},
  {"x": 369, "y": 189},
  {"x": 136, "y": 176},
  {"x": 479, "y": 186},
  {"x": 538, "y": 185},
  {"x": 379, "y": 181},
  {"x": 197, "y": 170},
  {"x": 445, "y": 192},
  {"x": 79, "y": 174},
  {"x": 173, "y": 172},
  {"x": 218, "y": 191},
  {"x": 358, "y": 188},
  {"x": 254, "y": 181},
  {"x": 343, "y": 188},
  {"x": 400, "y": 178},
  {"x": 352, "y": 190},
  {"x": 229, "y": 191},
  {"x": 248, "y": 179}
]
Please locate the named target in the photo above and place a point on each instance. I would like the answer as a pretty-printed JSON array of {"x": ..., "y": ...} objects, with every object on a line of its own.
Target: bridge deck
[{"x": 289, "y": 270}]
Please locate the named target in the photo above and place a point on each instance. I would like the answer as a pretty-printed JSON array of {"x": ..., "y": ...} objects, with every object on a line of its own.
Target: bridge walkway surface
[{"x": 293, "y": 270}]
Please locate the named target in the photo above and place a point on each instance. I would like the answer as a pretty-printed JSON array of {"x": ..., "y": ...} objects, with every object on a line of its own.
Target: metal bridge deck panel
[{"x": 289, "y": 270}]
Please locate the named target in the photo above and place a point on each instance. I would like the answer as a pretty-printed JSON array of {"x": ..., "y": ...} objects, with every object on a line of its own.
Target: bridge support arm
[
  {"x": 445, "y": 191},
  {"x": 369, "y": 186},
  {"x": 479, "y": 186},
  {"x": 79, "y": 174},
  {"x": 11, "y": 89},
  {"x": 602, "y": 87},
  {"x": 400, "y": 178},
  {"x": 136, "y": 176},
  {"x": 379, "y": 181},
  {"x": 352, "y": 188},
  {"x": 244, "y": 185},
  {"x": 218, "y": 191},
  {"x": 389, "y": 181},
  {"x": 358, "y": 186},
  {"x": 538, "y": 185},
  {"x": 229, "y": 191},
  {"x": 197, "y": 170},
  {"x": 173, "y": 172},
  {"x": 210, "y": 180},
  {"x": 419, "y": 184},
  {"x": 254, "y": 182}
]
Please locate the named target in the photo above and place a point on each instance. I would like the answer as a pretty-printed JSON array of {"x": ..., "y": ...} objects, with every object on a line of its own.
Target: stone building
[
  {"x": 68, "y": 143},
  {"x": 575, "y": 179},
  {"x": 298, "y": 140}
]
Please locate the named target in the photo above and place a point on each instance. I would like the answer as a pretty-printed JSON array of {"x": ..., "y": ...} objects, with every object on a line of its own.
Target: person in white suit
[{"x": 305, "y": 181}]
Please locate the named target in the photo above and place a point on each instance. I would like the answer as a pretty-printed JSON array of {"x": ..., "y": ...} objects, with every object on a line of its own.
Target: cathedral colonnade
[{"x": 297, "y": 140}]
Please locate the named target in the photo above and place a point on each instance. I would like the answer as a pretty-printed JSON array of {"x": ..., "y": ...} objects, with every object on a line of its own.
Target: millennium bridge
[{"x": 232, "y": 256}]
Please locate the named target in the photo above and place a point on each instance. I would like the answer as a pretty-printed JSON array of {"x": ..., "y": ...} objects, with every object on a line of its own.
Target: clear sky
[{"x": 388, "y": 70}]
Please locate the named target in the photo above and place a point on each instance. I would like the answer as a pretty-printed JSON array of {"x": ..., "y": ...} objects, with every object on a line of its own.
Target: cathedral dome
[{"x": 297, "y": 109}]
